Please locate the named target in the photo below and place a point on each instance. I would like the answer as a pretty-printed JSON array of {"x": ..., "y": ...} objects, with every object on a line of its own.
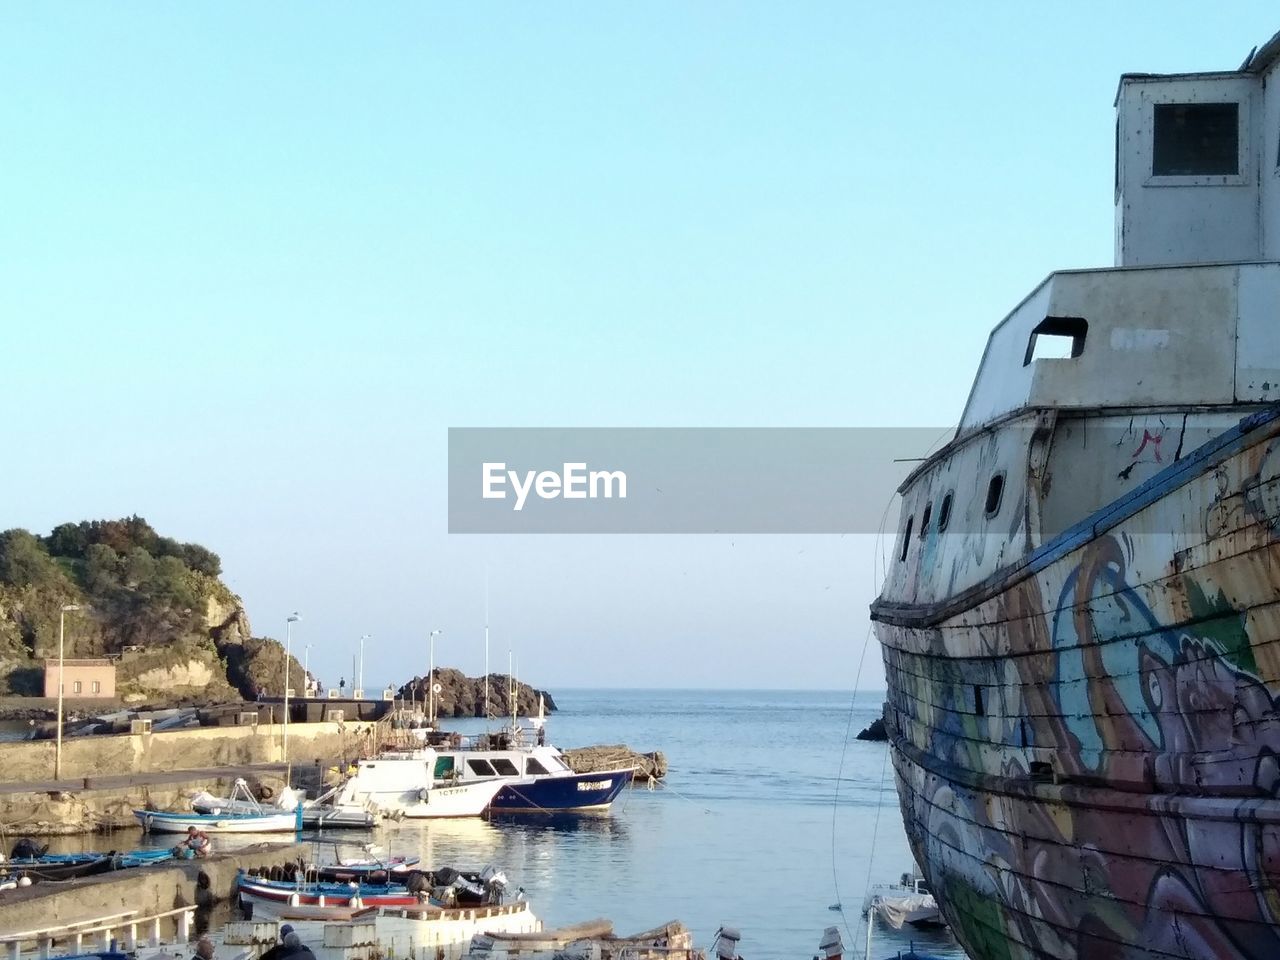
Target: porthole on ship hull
[{"x": 995, "y": 494}]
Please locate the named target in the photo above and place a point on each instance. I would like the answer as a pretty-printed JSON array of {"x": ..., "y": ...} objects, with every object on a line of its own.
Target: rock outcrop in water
[
  {"x": 875, "y": 733},
  {"x": 463, "y": 696}
]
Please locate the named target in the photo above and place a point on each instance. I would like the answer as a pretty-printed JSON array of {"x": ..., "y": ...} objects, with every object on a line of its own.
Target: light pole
[
  {"x": 62, "y": 625},
  {"x": 363, "y": 638},
  {"x": 288, "y": 655},
  {"x": 306, "y": 670},
  {"x": 431, "y": 681}
]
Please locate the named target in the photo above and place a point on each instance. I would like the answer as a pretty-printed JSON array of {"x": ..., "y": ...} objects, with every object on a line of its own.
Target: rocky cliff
[
  {"x": 463, "y": 696},
  {"x": 155, "y": 605}
]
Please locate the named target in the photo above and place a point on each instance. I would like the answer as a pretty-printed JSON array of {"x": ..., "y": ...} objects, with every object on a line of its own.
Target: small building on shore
[{"x": 84, "y": 678}]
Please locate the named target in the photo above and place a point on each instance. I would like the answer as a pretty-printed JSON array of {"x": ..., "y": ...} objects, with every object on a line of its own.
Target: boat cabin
[{"x": 1197, "y": 177}]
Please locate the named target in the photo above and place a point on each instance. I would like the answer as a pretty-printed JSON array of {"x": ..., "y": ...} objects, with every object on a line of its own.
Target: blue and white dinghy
[{"x": 242, "y": 814}]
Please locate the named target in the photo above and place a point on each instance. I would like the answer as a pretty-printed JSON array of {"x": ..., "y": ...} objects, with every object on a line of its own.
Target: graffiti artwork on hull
[{"x": 1167, "y": 715}]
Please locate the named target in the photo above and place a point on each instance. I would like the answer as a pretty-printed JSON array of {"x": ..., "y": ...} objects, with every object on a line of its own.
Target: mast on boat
[{"x": 487, "y": 714}]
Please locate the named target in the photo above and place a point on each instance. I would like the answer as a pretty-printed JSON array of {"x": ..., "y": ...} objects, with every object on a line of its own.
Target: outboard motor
[
  {"x": 725, "y": 944},
  {"x": 417, "y": 882},
  {"x": 496, "y": 883}
]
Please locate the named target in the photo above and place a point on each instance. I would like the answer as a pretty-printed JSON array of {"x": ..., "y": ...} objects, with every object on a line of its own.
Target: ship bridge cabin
[
  {"x": 1198, "y": 165},
  {"x": 1100, "y": 379}
]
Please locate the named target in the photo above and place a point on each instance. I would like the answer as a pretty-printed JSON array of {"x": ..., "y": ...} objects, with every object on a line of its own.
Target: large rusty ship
[{"x": 1081, "y": 618}]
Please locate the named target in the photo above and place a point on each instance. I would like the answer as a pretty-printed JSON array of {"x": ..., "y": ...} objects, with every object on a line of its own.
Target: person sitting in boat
[
  {"x": 204, "y": 949},
  {"x": 197, "y": 844}
]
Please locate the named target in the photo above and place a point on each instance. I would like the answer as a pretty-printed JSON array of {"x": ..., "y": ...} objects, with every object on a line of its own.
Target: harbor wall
[
  {"x": 197, "y": 883},
  {"x": 87, "y": 757},
  {"x": 48, "y": 813}
]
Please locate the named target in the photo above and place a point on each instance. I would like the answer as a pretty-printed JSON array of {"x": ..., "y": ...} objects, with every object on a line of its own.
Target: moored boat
[
  {"x": 65, "y": 866},
  {"x": 162, "y": 821},
  {"x": 908, "y": 902},
  {"x": 1080, "y": 623},
  {"x": 266, "y": 897},
  {"x": 534, "y": 775},
  {"x": 354, "y": 934},
  {"x": 595, "y": 938},
  {"x": 412, "y": 784}
]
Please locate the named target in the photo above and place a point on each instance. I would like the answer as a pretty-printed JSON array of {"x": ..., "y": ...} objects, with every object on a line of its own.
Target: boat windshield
[{"x": 444, "y": 768}]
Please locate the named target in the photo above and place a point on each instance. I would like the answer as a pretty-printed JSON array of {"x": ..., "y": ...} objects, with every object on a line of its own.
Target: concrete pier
[
  {"x": 91, "y": 804},
  {"x": 196, "y": 883}
]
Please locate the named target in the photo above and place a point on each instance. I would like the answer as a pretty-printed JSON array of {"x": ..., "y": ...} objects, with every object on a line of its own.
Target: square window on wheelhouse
[{"x": 1196, "y": 139}]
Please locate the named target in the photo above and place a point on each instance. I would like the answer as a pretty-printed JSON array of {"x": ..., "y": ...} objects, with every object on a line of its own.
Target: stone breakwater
[
  {"x": 24, "y": 761},
  {"x": 146, "y": 890},
  {"x": 105, "y": 778},
  {"x": 616, "y": 756}
]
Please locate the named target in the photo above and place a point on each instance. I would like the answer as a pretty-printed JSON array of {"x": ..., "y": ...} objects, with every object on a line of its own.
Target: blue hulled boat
[
  {"x": 535, "y": 776},
  {"x": 558, "y": 792}
]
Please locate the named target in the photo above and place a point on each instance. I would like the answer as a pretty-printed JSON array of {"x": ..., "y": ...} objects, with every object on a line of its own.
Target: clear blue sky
[{"x": 254, "y": 261}]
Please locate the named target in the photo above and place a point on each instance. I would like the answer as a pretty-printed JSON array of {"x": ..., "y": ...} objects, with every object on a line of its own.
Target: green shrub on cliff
[
  {"x": 134, "y": 588},
  {"x": 24, "y": 562},
  {"x": 74, "y": 540}
]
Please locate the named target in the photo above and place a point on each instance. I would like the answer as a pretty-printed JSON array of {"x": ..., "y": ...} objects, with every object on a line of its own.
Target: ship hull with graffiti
[{"x": 1080, "y": 626}]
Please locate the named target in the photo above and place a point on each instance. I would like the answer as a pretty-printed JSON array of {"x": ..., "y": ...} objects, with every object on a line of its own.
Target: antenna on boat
[
  {"x": 487, "y": 714},
  {"x": 511, "y": 685}
]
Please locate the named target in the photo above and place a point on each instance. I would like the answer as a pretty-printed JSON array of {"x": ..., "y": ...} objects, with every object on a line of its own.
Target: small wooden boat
[
  {"x": 394, "y": 868},
  {"x": 161, "y": 821},
  {"x": 267, "y": 897},
  {"x": 65, "y": 866},
  {"x": 145, "y": 858},
  {"x": 595, "y": 938}
]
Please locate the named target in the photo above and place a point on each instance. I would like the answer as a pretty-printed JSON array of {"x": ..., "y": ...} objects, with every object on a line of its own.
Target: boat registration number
[{"x": 595, "y": 785}]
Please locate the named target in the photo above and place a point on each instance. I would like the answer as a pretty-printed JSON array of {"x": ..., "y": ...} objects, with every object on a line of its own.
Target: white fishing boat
[
  {"x": 413, "y": 784},
  {"x": 535, "y": 776}
]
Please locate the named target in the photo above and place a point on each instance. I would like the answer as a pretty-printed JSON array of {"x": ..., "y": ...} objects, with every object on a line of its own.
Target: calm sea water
[{"x": 749, "y": 831}]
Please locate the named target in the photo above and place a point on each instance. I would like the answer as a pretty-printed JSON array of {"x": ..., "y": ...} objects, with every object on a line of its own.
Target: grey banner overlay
[{"x": 682, "y": 480}]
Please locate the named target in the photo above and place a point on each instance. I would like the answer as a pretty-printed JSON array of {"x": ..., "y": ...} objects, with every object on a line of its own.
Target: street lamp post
[
  {"x": 62, "y": 624},
  {"x": 288, "y": 655},
  {"x": 361, "y": 674},
  {"x": 306, "y": 670},
  {"x": 431, "y": 681}
]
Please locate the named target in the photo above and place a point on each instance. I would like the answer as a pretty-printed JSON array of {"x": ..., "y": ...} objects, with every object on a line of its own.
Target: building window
[
  {"x": 1056, "y": 338},
  {"x": 906, "y": 538},
  {"x": 75, "y": 686},
  {"x": 96, "y": 686},
  {"x": 1196, "y": 139},
  {"x": 944, "y": 511},
  {"x": 995, "y": 494}
]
